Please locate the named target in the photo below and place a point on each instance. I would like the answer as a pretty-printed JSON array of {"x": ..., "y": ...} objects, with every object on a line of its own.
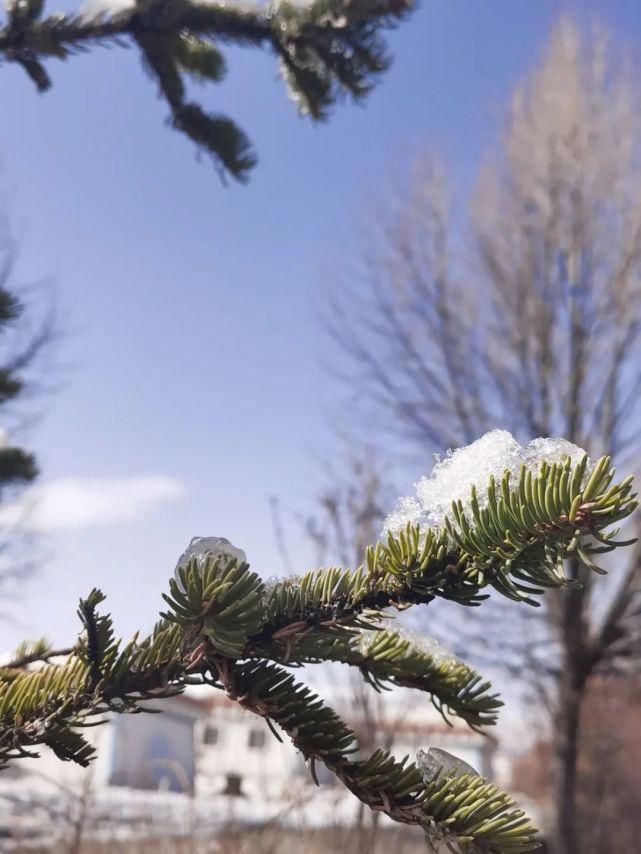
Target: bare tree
[
  {"x": 526, "y": 316},
  {"x": 347, "y": 519},
  {"x": 350, "y": 510},
  {"x": 26, "y": 333}
]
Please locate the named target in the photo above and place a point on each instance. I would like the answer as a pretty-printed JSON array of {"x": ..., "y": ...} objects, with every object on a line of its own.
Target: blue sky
[{"x": 193, "y": 386}]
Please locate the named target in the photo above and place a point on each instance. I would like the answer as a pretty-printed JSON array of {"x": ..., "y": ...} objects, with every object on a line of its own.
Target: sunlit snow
[{"x": 453, "y": 476}]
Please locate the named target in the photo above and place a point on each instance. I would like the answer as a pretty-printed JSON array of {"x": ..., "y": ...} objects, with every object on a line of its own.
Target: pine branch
[
  {"x": 36, "y": 651},
  {"x": 326, "y": 49},
  {"x": 386, "y": 657},
  {"x": 224, "y": 628},
  {"x": 516, "y": 544},
  {"x": 469, "y": 813},
  {"x": 46, "y": 705}
]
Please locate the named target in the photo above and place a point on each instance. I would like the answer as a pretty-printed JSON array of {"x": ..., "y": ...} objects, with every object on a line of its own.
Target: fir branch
[
  {"x": 326, "y": 49},
  {"x": 468, "y": 813},
  {"x": 386, "y": 657},
  {"x": 516, "y": 544},
  {"x": 225, "y": 629},
  {"x": 36, "y": 651}
]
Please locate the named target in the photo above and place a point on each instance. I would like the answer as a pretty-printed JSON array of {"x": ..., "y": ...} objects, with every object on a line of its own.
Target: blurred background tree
[
  {"x": 24, "y": 336},
  {"x": 347, "y": 518},
  {"x": 526, "y": 316}
]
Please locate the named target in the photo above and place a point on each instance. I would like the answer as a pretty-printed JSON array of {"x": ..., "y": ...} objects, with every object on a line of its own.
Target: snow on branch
[{"x": 493, "y": 515}]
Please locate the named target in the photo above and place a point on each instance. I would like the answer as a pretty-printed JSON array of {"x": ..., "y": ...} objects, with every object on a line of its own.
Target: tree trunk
[
  {"x": 567, "y": 744},
  {"x": 572, "y": 680}
]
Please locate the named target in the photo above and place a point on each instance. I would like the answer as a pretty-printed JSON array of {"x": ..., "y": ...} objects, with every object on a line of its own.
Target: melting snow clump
[
  {"x": 437, "y": 651},
  {"x": 552, "y": 451},
  {"x": 292, "y": 582},
  {"x": 201, "y": 547},
  {"x": 271, "y": 583},
  {"x": 453, "y": 476},
  {"x": 433, "y": 761}
]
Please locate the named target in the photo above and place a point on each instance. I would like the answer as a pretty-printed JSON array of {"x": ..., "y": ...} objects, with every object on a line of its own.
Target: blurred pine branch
[{"x": 325, "y": 49}]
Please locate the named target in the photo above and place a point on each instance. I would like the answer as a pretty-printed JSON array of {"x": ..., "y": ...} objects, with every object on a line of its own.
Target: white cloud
[{"x": 73, "y": 503}]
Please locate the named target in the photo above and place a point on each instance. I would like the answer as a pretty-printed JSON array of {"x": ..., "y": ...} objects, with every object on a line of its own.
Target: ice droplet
[
  {"x": 201, "y": 547},
  {"x": 434, "y": 761},
  {"x": 453, "y": 476}
]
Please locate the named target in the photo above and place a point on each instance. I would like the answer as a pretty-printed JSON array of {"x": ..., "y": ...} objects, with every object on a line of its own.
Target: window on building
[
  {"x": 211, "y": 735},
  {"x": 256, "y": 738},
  {"x": 233, "y": 786}
]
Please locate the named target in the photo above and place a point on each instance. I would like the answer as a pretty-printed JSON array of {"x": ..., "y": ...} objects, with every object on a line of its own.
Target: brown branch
[
  {"x": 32, "y": 658},
  {"x": 611, "y": 630}
]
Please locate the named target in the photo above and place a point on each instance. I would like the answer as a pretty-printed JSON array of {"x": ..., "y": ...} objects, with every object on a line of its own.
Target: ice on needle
[
  {"x": 434, "y": 761},
  {"x": 453, "y": 476},
  {"x": 438, "y": 652},
  {"x": 201, "y": 547}
]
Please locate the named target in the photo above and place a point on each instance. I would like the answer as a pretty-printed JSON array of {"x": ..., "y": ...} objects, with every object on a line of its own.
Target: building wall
[
  {"x": 236, "y": 748},
  {"x": 223, "y": 763},
  {"x": 237, "y": 751}
]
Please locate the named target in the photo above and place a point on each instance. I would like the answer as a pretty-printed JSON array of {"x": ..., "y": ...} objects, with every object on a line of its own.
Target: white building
[
  {"x": 236, "y": 751},
  {"x": 205, "y": 761}
]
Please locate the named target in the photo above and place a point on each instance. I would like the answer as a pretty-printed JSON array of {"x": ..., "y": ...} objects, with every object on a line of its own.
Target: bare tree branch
[{"x": 540, "y": 335}]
